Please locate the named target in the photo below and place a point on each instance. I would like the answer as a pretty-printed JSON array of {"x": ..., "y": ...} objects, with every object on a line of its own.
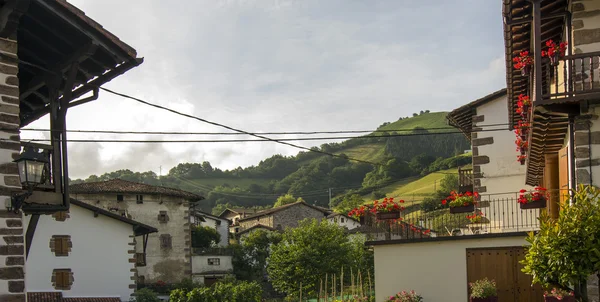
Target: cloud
[{"x": 280, "y": 65}]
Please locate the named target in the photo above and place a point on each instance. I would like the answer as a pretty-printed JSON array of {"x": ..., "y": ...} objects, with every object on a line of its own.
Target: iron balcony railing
[
  {"x": 497, "y": 213},
  {"x": 576, "y": 77}
]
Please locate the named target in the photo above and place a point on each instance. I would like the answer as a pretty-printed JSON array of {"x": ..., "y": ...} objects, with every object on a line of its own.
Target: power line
[{"x": 262, "y": 133}]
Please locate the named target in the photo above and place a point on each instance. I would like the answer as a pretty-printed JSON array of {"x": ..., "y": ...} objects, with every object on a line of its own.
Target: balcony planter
[
  {"x": 488, "y": 299},
  {"x": 538, "y": 204},
  {"x": 388, "y": 215},
  {"x": 462, "y": 209},
  {"x": 564, "y": 299}
]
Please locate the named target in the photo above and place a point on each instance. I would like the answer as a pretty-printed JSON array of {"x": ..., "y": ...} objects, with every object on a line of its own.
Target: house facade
[
  {"x": 168, "y": 251},
  {"x": 73, "y": 251},
  {"x": 445, "y": 244},
  {"x": 221, "y": 225},
  {"x": 286, "y": 216},
  {"x": 343, "y": 221},
  {"x": 234, "y": 215},
  {"x": 82, "y": 56}
]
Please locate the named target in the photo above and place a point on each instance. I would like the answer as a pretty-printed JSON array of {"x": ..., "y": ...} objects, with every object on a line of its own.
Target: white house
[
  {"x": 211, "y": 264},
  {"x": 462, "y": 252},
  {"x": 343, "y": 221},
  {"x": 207, "y": 220},
  {"x": 85, "y": 252}
]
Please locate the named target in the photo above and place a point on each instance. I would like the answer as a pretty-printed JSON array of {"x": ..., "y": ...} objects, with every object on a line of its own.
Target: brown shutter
[{"x": 563, "y": 174}]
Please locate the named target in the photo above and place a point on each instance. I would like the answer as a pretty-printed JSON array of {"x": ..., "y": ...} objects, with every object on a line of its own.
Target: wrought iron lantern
[{"x": 32, "y": 167}]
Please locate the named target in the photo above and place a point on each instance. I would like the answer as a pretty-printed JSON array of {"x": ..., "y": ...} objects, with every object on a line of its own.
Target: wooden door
[
  {"x": 502, "y": 265},
  {"x": 563, "y": 174}
]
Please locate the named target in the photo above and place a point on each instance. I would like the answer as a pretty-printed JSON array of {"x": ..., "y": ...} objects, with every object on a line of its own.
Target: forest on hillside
[{"x": 310, "y": 175}]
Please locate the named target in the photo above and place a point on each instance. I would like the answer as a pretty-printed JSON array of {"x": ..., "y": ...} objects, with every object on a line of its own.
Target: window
[
  {"x": 61, "y": 216},
  {"x": 140, "y": 259},
  {"x": 165, "y": 241},
  {"x": 119, "y": 197},
  {"x": 342, "y": 219},
  {"x": 139, "y": 199},
  {"x": 61, "y": 245},
  {"x": 163, "y": 217},
  {"x": 62, "y": 279},
  {"x": 141, "y": 280},
  {"x": 214, "y": 261}
]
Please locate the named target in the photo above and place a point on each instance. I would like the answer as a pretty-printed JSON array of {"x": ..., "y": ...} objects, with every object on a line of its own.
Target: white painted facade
[
  {"x": 343, "y": 221},
  {"x": 435, "y": 270},
  {"x": 219, "y": 224},
  {"x": 99, "y": 258},
  {"x": 206, "y": 266}
]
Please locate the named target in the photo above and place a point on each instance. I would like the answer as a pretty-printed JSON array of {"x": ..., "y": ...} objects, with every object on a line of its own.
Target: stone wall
[
  {"x": 290, "y": 217},
  {"x": 266, "y": 220},
  {"x": 168, "y": 264},
  {"x": 12, "y": 249}
]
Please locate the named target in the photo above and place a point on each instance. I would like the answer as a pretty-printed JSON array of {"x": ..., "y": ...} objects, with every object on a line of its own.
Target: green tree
[
  {"x": 348, "y": 203},
  {"x": 204, "y": 237},
  {"x": 145, "y": 295},
  {"x": 286, "y": 199},
  {"x": 305, "y": 254},
  {"x": 250, "y": 257}
]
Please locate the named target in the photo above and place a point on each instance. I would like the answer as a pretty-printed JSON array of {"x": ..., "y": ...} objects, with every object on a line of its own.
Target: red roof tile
[
  {"x": 125, "y": 186},
  {"x": 44, "y": 297}
]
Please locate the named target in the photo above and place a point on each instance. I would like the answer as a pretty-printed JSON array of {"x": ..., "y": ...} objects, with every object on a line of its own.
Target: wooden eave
[
  {"x": 462, "y": 117},
  {"x": 517, "y": 16},
  {"x": 54, "y": 34}
]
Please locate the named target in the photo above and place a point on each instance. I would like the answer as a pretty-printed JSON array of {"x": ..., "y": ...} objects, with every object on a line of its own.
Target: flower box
[
  {"x": 462, "y": 209},
  {"x": 388, "y": 215},
  {"x": 488, "y": 299},
  {"x": 538, "y": 204},
  {"x": 564, "y": 299}
]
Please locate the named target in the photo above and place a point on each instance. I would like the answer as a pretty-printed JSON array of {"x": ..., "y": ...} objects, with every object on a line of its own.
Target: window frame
[
  {"x": 120, "y": 197},
  {"x": 139, "y": 199},
  {"x": 166, "y": 241},
  {"x": 215, "y": 261}
]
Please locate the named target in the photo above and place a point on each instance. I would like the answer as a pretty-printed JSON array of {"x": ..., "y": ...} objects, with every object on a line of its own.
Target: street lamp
[{"x": 32, "y": 167}]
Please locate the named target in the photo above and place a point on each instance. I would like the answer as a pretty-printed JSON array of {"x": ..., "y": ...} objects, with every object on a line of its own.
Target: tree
[
  {"x": 566, "y": 251},
  {"x": 204, "y": 237},
  {"x": 145, "y": 295},
  {"x": 306, "y": 253},
  {"x": 348, "y": 203},
  {"x": 286, "y": 199},
  {"x": 250, "y": 257}
]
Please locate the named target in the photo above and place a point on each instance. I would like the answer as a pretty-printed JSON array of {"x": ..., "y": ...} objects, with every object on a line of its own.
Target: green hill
[{"x": 398, "y": 162}]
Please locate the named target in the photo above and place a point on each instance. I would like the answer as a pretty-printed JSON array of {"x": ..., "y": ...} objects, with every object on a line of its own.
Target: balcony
[
  {"x": 575, "y": 78},
  {"x": 212, "y": 251},
  {"x": 499, "y": 214}
]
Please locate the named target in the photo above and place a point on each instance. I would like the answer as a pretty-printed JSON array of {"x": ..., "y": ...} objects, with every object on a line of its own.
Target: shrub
[
  {"x": 405, "y": 296},
  {"x": 483, "y": 288},
  {"x": 145, "y": 295}
]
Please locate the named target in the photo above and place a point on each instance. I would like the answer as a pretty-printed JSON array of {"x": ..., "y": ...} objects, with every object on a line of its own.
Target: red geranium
[
  {"x": 539, "y": 193},
  {"x": 461, "y": 199},
  {"x": 387, "y": 205},
  {"x": 554, "y": 49},
  {"x": 523, "y": 60}
]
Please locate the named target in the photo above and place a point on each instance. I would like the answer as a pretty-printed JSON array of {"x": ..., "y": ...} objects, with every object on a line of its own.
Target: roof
[
  {"x": 57, "y": 297},
  {"x": 340, "y": 214},
  {"x": 283, "y": 207},
  {"x": 138, "y": 227},
  {"x": 238, "y": 211},
  {"x": 518, "y": 29},
  {"x": 257, "y": 226},
  {"x": 198, "y": 212},
  {"x": 55, "y": 34},
  {"x": 130, "y": 187},
  {"x": 462, "y": 117}
]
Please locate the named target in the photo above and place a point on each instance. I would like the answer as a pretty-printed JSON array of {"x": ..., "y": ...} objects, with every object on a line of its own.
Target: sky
[{"x": 279, "y": 65}]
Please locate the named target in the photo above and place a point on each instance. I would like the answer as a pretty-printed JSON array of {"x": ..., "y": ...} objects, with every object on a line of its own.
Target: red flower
[{"x": 444, "y": 202}]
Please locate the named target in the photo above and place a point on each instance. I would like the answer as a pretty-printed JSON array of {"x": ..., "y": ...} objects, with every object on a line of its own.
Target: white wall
[
  {"x": 435, "y": 270},
  {"x": 99, "y": 259},
  {"x": 222, "y": 228},
  {"x": 200, "y": 265},
  {"x": 348, "y": 223}
]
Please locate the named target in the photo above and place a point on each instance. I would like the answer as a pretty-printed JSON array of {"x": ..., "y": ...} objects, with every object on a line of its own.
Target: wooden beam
[
  {"x": 40, "y": 80},
  {"x": 10, "y": 15},
  {"x": 30, "y": 232}
]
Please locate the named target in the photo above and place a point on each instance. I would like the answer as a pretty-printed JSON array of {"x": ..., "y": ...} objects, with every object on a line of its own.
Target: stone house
[
  {"x": 234, "y": 215},
  {"x": 168, "y": 252},
  {"x": 52, "y": 57},
  {"x": 343, "y": 221},
  {"x": 64, "y": 243},
  {"x": 286, "y": 216}
]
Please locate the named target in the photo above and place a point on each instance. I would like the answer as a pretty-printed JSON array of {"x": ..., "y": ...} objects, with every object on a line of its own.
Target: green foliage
[
  {"x": 306, "y": 253},
  {"x": 286, "y": 199},
  {"x": 227, "y": 289},
  {"x": 483, "y": 288},
  {"x": 204, "y": 237},
  {"x": 378, "y": 195},
  {"x": 348, "y": 203},
  {"x": 392, "y": 169},
  {"x": 250, "y": 256},
  {"x": 566, "y": 251},
  {"x": 145, "y": 295}
]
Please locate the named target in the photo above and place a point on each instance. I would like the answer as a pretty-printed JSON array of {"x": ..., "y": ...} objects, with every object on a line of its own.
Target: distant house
[
  {"x": 286, "y": 216},
  {"x": 199, "y": 218},
  {"x": 73, "y": 252},
  {"x": 343, "y": 221},
  {"x": 234, "y": 215},
  {"x": 168, "y": 252}
]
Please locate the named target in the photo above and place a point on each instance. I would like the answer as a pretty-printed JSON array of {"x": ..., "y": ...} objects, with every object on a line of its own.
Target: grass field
[
  {"x": 240, "y": 182},
  {"x": 426, "y": 120},
  {"x": 369, "y": 152}
]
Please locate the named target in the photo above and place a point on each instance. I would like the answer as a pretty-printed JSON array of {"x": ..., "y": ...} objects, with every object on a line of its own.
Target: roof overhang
[
  {"x": 55, "y": 35},
  {"x": 462, "y": 117}
]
